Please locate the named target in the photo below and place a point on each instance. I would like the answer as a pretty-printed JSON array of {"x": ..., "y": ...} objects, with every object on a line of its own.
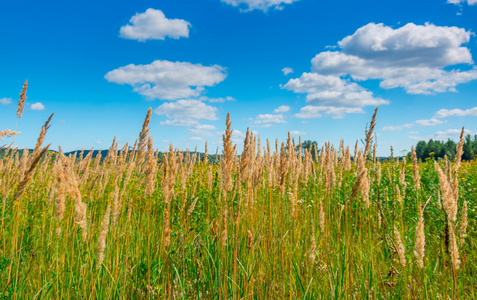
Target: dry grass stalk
[
  {"x": 228, "y": 158},
  {"x": 41, "y": 138},
  {"x": 116, "y": 205},
  {"x": 8, "y": 133},
  {"x": 103, "y": 233},
  {"x": 282, "y": 167},
  {"x": 141, "y": 147},
  {"x": 463, "y": 225},
  {"x": 448, "y": 201},
  {"x": 402, "y": 174},
  {"x": 150, "y": 168},
  {"x": 192, "y": 206},
  {"x": 415, "y": 170},
  {"x": 21, "y": 101},
  {"x": 322, "y": 217},
  {"x": 419, "y": 248},
  {"x": 453, "y": 249},
  {"x": 29, "y": 174},
  {"x": 312, "y": 254},
  {"x": 369, "y": 134},
  {"x": 400, "y": 248}
]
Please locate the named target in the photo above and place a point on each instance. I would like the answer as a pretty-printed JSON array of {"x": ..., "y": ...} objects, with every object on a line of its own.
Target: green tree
[{"x": 468, "y": 149}]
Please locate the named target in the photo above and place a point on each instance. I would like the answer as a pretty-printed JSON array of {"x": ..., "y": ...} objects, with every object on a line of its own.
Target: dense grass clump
[{"x": 282, "y": 223}]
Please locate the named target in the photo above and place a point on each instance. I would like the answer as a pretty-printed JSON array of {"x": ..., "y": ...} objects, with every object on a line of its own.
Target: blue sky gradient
[{"x": 66, "y": 49}]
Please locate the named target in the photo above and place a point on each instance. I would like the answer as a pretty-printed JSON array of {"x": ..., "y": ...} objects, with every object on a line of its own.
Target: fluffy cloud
[
  {"x": 281, "y": 109},
  {"x": 311, "y": 111},
  {"x": 414, "y": 57},
  {"x": 470, "y": 2},
  {"x": 329, "y": 90},
  {"x": 168, "y": 80},
  {"x": 269, "y": 119},
  {"x": 217, "y": 100},
  {"x": 398, "y": 127},
  {"x": 186, "y": 112},
  {"x": 449, "y": 134},
  {"x": 287, "y": 71},
  {"x": 37, "y": 106},
  {"x": 153, "y": 25},
  {"x": 431, "y": 122},
  {"x": 296, "y": 132},
  {"x": 5, "y": 101},
  {"x": 202, "y": 130},
  {"x": 264, "y": 5},
  {"x": 444, "y": 113}
]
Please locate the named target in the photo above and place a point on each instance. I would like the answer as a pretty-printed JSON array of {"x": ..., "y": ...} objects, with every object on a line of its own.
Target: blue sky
[{"x": 315, "y": 68}]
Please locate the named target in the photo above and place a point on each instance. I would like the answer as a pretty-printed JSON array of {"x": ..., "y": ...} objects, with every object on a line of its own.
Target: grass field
[{"x": 270, "y": 222}]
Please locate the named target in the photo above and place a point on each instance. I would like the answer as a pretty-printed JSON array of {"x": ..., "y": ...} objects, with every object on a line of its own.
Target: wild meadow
[{"x": 274, "y": 221}]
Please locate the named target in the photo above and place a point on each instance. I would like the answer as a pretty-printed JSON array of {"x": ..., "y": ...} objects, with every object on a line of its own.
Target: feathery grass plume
[
  {"x": 21, "y": 101},
  {"x": 378, "y": 174},
  {"x": 415, "y": 170},
  {"x": 228, "y": 157},
  {"x": 292, "y": 198},
  {"x": 150, "y": 168},
  {"x": 454, "y": 181},
  {"x": 250, "y": 239},
  {"x": 63, "y": 189},
  {"x": 80, "y": 206},
  {"x": 282, "y": 167},
  {"x": 29, "y": 174},
  {"x": 23, "y": 163},
  {"x": 192, "y": 206},
  {"x": 116, "y": 205},
  {"x": 398, "y": 194},
  {"x": 400, "y": 247},
  {"x": 347, "y": 163},
  {"x": 463, "y": 225},
  {"x": 402, "y": 174},
  {"x": 245, "y": 158},
  {"x": 103, "y": 233},
  {"x": 8, "y": 133},
  {"x": 322, "y": 217},
  {"x": 312, "y": 254},
  {"x": 355, "y": 156},
  {"x": 453, "y": 249},
  {"x": 141, "y": 147},
  {"x": 419, "y": 247},
  {"x": 448, "y": 201},
  {"x": 41, "y": 138},
  {"x": 369, "y": 134}
]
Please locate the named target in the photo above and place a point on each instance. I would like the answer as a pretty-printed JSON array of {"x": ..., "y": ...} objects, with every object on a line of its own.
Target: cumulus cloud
[
  {"x": 469, "y": 2},
  {"x": 449, "y": 134},
  {"x": 203, "y": 130},
  {"x": 430, "y": 122},
  {"x": 281, "y": 109},
  {"x": 312, "y": 112},
  {"x": 217, "y": 100},
  {"x": 287, "y": 71},
  {"x": 168, "y": 80},
  {"x": 186, "y": 112},
  {"x": 5, "y": 101},
  {"x": 329, "y": 90},
  {"x": 444, "y": 113},
  {"x": 269, "y": 120},
  {"x": 264, "y": 5},
  {"x": 414, "y": 57},
  {"x": 398, "y": 127},
  {"x": 153, "y": 25},
  {"x": 298, "y": 133},
  {"x": 37, "y": 106}
]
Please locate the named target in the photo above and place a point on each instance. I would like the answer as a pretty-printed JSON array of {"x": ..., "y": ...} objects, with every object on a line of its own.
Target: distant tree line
[{"x": 437, "y": 148}]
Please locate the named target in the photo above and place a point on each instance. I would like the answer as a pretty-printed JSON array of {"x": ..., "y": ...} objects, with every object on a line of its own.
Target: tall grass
[{"x": 263, "y": 224}]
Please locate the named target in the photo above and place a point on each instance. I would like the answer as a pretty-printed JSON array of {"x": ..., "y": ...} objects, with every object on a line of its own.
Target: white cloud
[
  {"x": 449, "y": 134},
  {"x": 186, "y": 112},
  {"x": 217, "y": 100},
  {"x": 264, "y": 5},
  {"x": 269, "y": 119},
  {"x": 470, "y": 2},
  {"x": 413, "y": 57},
  {"x": 203, "y": 130},
  {"x": 413, "y": 132},
  {"x": 99, "y": 143},
  {"x": 311, "y": 111},
  {"x": 5, "y": 101},
  {"x": 37, "y": 106},
  {"x": 287, "y": 71},
  {"x": 281, "y": 109},
  {"x": 168, "y": 80},
  {"x": 431, "y": 122},
  {"x": 196, "y": 139},
  {"x": 329, "y": 90},
  {"x": 398, "y": 127},
  {"x": 153, "y": 25},
  {"x": 444, "y": 113},
  {"x": 296, "y": 132}
]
